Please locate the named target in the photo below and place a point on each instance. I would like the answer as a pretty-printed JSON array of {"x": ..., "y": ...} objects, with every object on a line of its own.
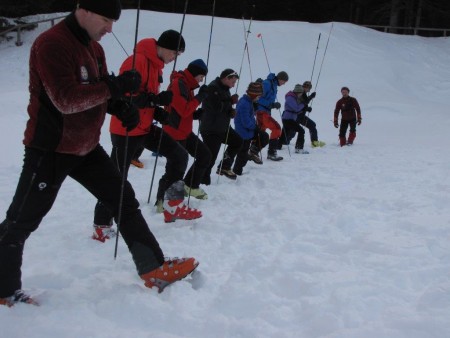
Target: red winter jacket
[
  {"x": 67, "y": 97},
  {"x": 349, "y": 107},
  {"x": 150, "y": 66},
  {"x": 183, "y": 104}
]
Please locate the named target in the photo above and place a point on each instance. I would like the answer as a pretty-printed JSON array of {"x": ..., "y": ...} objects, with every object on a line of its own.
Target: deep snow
[{"x": 344, "y": 242}]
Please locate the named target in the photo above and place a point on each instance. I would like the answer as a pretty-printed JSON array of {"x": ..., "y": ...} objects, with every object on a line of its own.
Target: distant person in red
[
  {"x": 70, "y": 93},
  {"x": 351, "y": 115}
]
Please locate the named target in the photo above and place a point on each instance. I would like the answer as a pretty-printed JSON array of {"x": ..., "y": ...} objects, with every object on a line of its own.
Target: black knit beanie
[
  {"x": 108, "y": 8},
  {"x": 197, "y": 67},
  {"x": 169, "y": 40}
]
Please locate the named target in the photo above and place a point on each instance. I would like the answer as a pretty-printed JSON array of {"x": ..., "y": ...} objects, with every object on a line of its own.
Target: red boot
[
  {"x": 176, "y": 209},
  {"x": 342, "y": 141},
  {"x": 351, "y": 138},
  {"x": 169, "y": 272}
]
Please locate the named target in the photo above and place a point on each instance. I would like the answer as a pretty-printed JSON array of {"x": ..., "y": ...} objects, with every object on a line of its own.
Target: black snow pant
[
  {"x": 344, "y": 126},
  {"x": 310, "y": 124},
  {"x": 176, "y": 155},
  {"x": 260, "y": 140},
  {"x": 214, "y": 141},
  {"x": 42, "y": 176},
  {"x": 290, "y": 127},
  {"x": 202, "y": 157}
]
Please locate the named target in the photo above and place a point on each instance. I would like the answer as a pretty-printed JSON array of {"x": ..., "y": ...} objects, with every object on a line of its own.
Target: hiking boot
[
  {"x": 272, "y": 155},
  {"x": 159, "y": 206},
  {"x": 301, "y": 151},
  {"x": 237, "y": 171},
  {"x": 197, "y": 193},
  {"x": 254, "y": 157},
  {"x": 315, "y": 144},
  {"x": 103, "y": 232},
  {"x": 137, "y": 163},
  {"x": 176, "y": 209},
  {"x": 169, "y": 272},
  {"x": 227, "y": 173},
  {"x": 19, "y": 296}
]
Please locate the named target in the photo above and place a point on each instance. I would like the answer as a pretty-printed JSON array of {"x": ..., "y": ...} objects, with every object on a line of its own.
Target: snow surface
[{"x": 343, "y": 242}]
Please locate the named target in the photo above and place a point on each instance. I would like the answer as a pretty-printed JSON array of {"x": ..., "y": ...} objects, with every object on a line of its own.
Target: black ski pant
[
  {"x": 214, "y": 141},
  {"x": 42, "y": 176},
  {"x": 310, "y": 124},
  {"x": 344, "y": 126},
  {"x": 290, "y": 127},
  {"x": 176, "y": 155},
  {"x": 202, "y": 157},
  {"x": 260, "y": 140}
]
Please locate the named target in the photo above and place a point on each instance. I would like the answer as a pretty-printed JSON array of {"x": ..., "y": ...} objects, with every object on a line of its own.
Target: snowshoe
[
  {"x": 137, "y": 163},
  {"x": 316, "y": 144},
  {"x": 169, "y": 272},
  {"x": 176, "y": 209},
  {"x": 103, "y": 232},
  {"x": 197, "y": 193},
  {"x": 19, "y": 296}
]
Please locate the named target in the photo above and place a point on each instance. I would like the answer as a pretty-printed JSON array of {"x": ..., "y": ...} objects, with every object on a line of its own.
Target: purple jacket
[{"x": 292, "y": 107}]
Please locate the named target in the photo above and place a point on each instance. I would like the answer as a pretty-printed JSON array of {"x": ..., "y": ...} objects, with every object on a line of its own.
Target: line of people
[{"x": 68, "y": 102}]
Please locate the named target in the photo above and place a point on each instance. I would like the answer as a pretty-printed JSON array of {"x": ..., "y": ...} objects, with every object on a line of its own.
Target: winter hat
[
  {"x": 307, "y": 84},
  {"x": 254, "y": 89},
  {"x": 298, "y": 88},
  {"x": 229, "y": 73},
  {"x": 197, "y": 67},
  {"x": 108, "y": 8},
  {"x": 345, "y": 88},
  {"x": 283, "y": 76},
  {"x": 169, "y": 40}
]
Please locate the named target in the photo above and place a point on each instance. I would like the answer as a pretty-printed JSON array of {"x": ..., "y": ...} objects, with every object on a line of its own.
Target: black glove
[
  {"x": 202, "y": 93},
  {"x": 161, "y": 115},
  {"x": 164, "y": 98},
  {"x": 313, "y": 95},
  {"x": 276, "y": 105},
  {"x": 198, "y": 114},
  {"x": 359, "y": 121},
  {"x": 126, "y": 112},
  {"x": 232, "y": 113},
  {"x": 336, "y": 124},
  {"x": 127, "y": 82},
  {"x": 307, "y": 109},
  {"x": 150, "y": 100}
]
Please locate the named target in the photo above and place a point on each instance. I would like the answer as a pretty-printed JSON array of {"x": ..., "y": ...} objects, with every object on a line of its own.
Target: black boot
[{"x": 272, "y": 152}]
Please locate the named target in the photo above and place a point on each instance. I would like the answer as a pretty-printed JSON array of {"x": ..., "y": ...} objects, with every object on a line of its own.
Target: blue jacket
[
  {"x": 292, "y": 107},
  {"x": 244, "y": 121},
  {"x": 270, "y": 88}
]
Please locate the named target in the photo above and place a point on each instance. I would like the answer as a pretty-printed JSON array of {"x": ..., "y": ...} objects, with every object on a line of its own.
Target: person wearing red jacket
[
  {"x": 183, "y": 110},
  {"x": 151, "y": 56},
  {"x": 70, "y": 90},
  {"x": 351, "y": 115}
]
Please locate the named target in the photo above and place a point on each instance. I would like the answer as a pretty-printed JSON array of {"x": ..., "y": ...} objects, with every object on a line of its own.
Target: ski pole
[
  {"x": 324, "y": 54},
  {"x": 162, "y": 132},
  {"x": 276, "y": 99},
  {"x": 240, "y": 71},
  {"x": 315, "y": 56},
  {"x": 264, "y": 48},
  {"x": 198, "y": 129},
  {"x": 125, "y": 157}
]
